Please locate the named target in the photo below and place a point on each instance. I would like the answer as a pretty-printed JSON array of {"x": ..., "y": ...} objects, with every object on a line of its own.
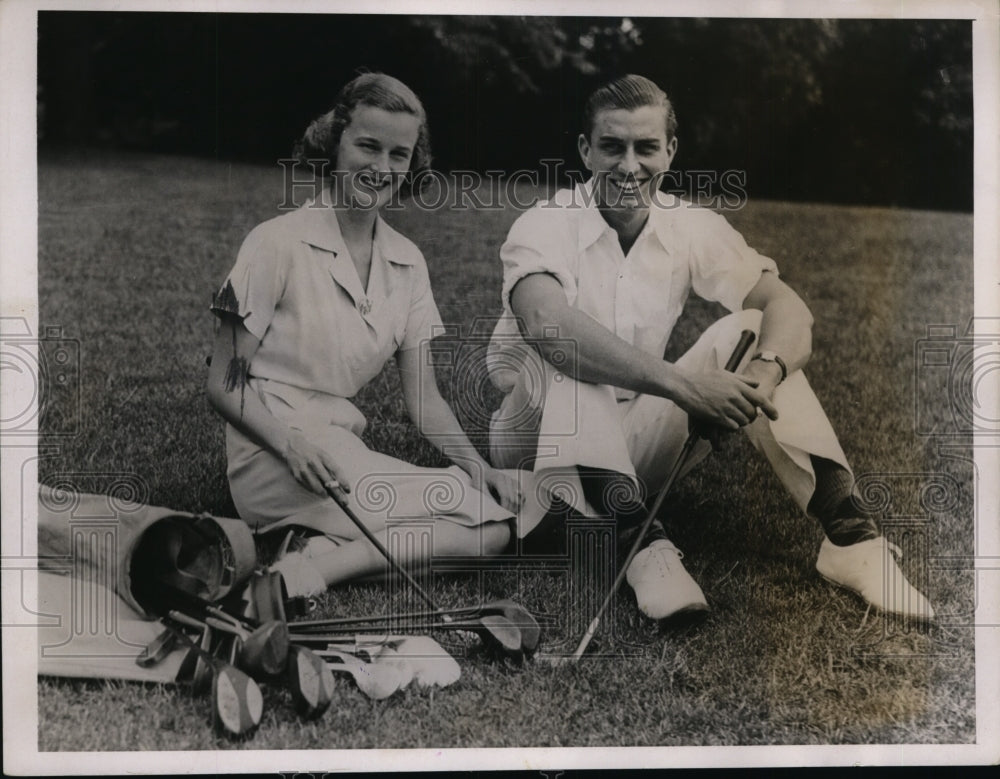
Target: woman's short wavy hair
[
  {"x": 629, "y": 92},
  {"x": 321, "y": 139}
]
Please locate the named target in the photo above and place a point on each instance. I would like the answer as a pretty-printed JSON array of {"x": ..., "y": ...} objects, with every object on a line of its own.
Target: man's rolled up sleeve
[
  {"x": 724, "y": 268},
  {"x": 533, "y": 246}
]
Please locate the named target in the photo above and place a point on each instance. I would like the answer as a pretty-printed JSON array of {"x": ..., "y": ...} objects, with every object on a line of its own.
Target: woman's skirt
[{"x": 384, "y": 490}]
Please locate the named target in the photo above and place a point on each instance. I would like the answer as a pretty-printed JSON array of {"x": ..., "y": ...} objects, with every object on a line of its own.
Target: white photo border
[{"x": 18, "y": 298}]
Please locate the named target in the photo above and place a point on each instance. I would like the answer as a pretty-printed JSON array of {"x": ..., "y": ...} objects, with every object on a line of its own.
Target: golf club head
[
  {"x": 310, "y": 682},
  {"x": 237, "y": 703},
  {"x": 157, "y": 650},
  {"x": 524, "y": 620},
  {"x": 499, "y": 633},
  {"x": 265, "y": 651}
]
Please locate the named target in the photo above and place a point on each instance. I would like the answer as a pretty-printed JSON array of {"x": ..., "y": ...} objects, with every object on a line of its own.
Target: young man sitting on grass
[{"x": 594, "y": 282}]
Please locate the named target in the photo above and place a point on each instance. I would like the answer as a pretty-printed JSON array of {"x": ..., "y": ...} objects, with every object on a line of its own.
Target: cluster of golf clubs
[
  {"x": 230, "y": 655},
  {"x": 504, "y": 627}
]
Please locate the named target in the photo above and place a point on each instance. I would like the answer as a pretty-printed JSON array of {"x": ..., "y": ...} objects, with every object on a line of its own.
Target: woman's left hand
[{"x": 503, "y": 487}]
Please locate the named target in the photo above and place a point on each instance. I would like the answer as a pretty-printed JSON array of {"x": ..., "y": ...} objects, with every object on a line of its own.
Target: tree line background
[{"x": 847, "y": 111}]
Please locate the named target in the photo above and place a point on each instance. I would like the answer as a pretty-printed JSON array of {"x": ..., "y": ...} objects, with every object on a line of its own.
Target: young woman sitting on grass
[{"x": 318, "y": 301}]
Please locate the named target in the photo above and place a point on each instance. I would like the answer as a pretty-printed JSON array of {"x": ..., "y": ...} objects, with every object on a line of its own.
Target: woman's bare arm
[{"x": 229, "y": 395}]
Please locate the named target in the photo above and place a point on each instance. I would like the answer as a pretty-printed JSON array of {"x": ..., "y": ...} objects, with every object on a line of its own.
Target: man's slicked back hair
[{"x": 629, "y": 92}]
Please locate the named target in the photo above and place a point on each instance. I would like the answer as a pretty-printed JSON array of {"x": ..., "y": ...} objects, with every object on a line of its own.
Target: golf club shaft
[
  {"x": 186, "y": 619},
  {"x": 373, "y": 539},
  {"x": 199, "y": 650},
  {"x": 187, "y": 602},
  {"x": 407, "y": 627},
  {"x": 226, "y": 627},
  {"x": 225, "y": 616},
  {"x": 746, "y": 339},
  {"x": 464, "y": 611}
]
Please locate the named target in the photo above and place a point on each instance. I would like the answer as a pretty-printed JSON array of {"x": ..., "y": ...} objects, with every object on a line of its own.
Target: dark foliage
[{"x": 858, "y": 111}]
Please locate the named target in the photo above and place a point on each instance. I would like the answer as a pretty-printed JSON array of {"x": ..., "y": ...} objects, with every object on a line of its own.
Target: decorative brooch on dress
[{"x": 365, "y": 307}]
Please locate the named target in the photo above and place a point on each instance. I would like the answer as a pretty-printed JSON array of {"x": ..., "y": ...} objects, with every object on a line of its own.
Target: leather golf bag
[{"x": 100, "y": 561}]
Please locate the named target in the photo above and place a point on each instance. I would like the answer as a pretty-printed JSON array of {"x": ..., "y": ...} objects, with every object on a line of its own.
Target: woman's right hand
[{"x": 313, "y": 467}]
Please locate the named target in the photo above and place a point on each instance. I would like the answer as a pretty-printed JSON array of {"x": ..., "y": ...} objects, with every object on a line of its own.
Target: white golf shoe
[
  {"x": 868, "y": 568},
  {"x": 662, "y": 587}
]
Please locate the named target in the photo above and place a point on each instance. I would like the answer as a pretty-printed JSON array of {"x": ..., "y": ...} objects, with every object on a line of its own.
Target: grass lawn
[{"x": 130, "y": 250}]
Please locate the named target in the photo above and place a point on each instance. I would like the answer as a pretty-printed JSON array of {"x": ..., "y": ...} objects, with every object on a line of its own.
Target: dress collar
[{"x": 319, "y": 228}]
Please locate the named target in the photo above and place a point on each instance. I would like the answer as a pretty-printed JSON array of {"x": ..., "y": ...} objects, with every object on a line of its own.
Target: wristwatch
[{"x": 768, "y": 356}]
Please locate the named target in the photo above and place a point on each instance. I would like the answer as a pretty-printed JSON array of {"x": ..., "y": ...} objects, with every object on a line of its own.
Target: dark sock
[
  {"x": 612, "y": 495},
  {"x": 843, "y": 521},
  {"x": 615, "y": 495},
  {"x": 548, "y": 537}
]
